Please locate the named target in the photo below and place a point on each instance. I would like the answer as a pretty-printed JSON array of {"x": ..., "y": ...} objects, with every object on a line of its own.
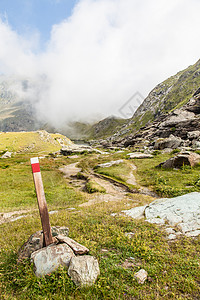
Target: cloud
[{"x": 105, "y": 52}]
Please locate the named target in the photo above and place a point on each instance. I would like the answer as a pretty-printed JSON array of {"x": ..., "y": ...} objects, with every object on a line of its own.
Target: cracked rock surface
[{"x": 182, "y": 212}]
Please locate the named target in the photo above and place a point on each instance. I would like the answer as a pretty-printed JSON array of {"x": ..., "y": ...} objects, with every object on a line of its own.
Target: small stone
[
  {"x": 48, "y": 259},
  {"x": 7, "y": 155},
  {"x": 130, "y": 235},
  {"x": 84, "y": 270},
  {"x": 52, "y": 212},
  {"x": 141, "y": 276},
  {"x": 110, "y": 164},
  {"x": 172, "y": 237},
  {"x": 76, "y": 247},
  {"x": 113, "y": 214},
  {"x": 104, "y": 250}
]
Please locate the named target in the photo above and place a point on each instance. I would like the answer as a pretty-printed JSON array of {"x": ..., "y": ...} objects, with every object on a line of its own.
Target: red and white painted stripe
[{"x": 35, "y": 165}]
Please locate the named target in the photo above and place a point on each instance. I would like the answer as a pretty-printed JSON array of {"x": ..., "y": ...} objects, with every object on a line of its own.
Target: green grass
[
  {"x": 167, "y": 182},
  {"x": 173, "y": 267},
  {"x": 93, "y": 187},
  {"x": 119, "y": 172},
  {"x": 30, "y": 142},
  {"x": 17, "y": 189}
]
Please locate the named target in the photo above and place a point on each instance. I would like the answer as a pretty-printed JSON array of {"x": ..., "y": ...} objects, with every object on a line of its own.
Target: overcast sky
[{"x": 88, "y": 57}]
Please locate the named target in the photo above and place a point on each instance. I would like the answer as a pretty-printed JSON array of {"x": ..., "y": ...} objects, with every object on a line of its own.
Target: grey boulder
[
  {"x": 191, "y": 159},
  {"x": 84, "y": 270},
  {"x": 49, "y": 259}
]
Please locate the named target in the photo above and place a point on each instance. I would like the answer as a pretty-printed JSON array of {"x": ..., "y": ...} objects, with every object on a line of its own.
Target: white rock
[
  {"x": 48, "y": 259},
  {"x": 172, "y": 237},
  {"x": 130, "y": 235},
  {"x": 169, "y": 230},
  {"x": 141, "y": 276},
  {"x": 7, "y": 155},
  {"x": 83, "y": 270},
  {"x": 193, "y": 233},
  {"x": 110, "y": 163},
  {"x": 183, "y": 211},
  {"x": 139, "y": 155},
  {"x": 158, "y": 221},
  {"x": 136, "y": 212}
]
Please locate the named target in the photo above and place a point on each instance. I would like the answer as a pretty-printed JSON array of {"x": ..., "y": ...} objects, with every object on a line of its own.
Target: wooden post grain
[{"x": 42, "y": 204}]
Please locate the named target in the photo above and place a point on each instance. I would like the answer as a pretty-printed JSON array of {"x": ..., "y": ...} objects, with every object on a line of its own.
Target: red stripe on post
[{"x": 35, "y": 168}]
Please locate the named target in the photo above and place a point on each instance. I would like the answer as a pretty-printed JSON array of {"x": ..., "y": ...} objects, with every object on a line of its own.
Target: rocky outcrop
[
  {"x": 178, "y": 128},
  {"x": 182, "y": 213},
  {"x": 190, "y": 159}
]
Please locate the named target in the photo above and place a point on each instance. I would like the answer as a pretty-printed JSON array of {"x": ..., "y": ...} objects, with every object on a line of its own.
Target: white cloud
[{"x": 105, "y": 52}]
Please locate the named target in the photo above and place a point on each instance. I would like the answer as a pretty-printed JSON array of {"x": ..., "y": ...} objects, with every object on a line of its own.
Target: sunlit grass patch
[{"x": 167, "y": 182}]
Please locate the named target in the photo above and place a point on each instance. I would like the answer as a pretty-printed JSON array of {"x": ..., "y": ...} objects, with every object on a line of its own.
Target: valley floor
[{"x": 89, "y": 199}]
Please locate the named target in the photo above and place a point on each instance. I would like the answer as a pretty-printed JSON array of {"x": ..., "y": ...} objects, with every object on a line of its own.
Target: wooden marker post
[{"x": 44, "y": 215}]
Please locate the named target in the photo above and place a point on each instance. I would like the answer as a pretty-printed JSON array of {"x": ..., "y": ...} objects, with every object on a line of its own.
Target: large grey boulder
[
  {"x": 182, "y": 211},
  {"x": 172, "y": 142},
  {"x": 190, "y": 159},
  {"x": 84, "y": 270},
  {"x": 49, "y": 259},
  {"x": 178, "y": 116},
  {"x": 193, "y": 134}
]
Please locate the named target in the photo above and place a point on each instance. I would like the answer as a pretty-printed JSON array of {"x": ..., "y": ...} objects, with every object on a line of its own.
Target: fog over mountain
[{"x": 101, "y": 55}]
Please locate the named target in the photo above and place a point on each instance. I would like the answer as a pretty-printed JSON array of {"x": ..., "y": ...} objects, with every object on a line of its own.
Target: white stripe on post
[{"x": 42, "y": 204}]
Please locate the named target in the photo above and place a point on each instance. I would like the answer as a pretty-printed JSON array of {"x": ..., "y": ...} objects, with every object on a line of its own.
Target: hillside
[
  {"x": 33, "y": 142},
  {"x": 16, "y": 112},
  {"x": 161, "y": 103}
]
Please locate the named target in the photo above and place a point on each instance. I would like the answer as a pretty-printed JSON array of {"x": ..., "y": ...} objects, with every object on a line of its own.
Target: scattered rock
[
  {"x": 70, "y": 170},
  {"x": 52, "y": 212},
  {"x": 74, "y": 149},
  {"x": 139, "y": 155},
  {"x": 130, "y": 235},
  {"x": 193, "y": 134},
  {"x": 7, "y": 155},
  {"x": 172, "y": 142},
  {"x": 110, "y": 163},
  {"x": 170, "y": 230},
  {"x": 48, "y": 259},
  {"x": 172, "y": 236},
  {"x": 141, "y": 276},
  {"x": 136, "y": 212},
  {"x": 83, "y": 270}
]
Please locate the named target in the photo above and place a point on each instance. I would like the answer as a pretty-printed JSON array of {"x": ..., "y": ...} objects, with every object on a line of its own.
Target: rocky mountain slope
[
  {"x": 16, "y": 112},
  {"x": 172, "y": 107}
]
